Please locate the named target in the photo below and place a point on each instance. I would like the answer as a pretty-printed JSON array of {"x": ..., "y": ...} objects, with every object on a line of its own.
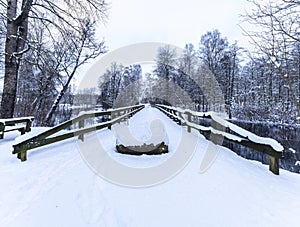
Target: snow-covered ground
[{"x": 55, "y": 187}]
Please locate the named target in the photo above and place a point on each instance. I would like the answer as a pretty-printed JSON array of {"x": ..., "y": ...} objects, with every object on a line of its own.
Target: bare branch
[
  {"x": 25, "y": 11},
  {"x": 3, "y": 4}
]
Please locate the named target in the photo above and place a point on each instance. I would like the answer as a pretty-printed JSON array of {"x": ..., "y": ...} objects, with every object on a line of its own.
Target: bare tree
[
  {"x": 63, "y": 19},
  {"x": 212, "y": 48},
  {"x": 222, "y": 60},
  {"x": 277, "y": 33},
  {"x": 166, "y": 60},
  {"x": 188, "y": 61},
  {"x": 70, "y": 55}
]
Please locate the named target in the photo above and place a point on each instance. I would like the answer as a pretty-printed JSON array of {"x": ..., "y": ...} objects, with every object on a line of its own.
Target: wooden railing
[
  {"x": 113, "y": 116},
  {"x": 220, "y": 129},
  {"x": 21, "y": 124}
]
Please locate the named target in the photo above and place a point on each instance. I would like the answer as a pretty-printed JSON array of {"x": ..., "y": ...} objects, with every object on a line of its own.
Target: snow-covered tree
[
  {"x": 113, "y": 85},
  {"x": 276, "y": 35},
  {"x": 222, "y": 60},
  {"x": 63, "y": 20}
]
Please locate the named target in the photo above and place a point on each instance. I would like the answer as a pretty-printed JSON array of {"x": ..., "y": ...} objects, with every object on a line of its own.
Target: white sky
[{"x": 174, "y": 22}]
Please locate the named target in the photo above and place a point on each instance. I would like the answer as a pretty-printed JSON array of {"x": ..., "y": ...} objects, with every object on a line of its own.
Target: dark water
[{"x": 287, "y": 135}]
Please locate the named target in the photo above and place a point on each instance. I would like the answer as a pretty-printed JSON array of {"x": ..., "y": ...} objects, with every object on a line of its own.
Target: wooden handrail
[
  {"x": 214, "y": 129},
  {"x": 41, "y": 139}
]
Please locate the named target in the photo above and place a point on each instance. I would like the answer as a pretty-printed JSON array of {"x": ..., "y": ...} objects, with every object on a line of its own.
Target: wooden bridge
[{"x": 215, "y": 128}]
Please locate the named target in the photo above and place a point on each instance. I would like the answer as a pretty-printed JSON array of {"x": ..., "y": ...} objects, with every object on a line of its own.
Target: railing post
[
  {"x": 132, "y": 109},
  {"x": 81, "y": 125},
  {"x": 109, "y": 119},
  {"x": 177, "y": 120},
  {"x": 22, "y": 155},
  {"x": 2, "y": 127},
  {"x": 117, "y": 114},
  {"x": 181, "y": 117},
  {"x": 173, "y": 113},
  {"x": 189, "y": 118},
  {"x": 22, "y": 130},
  {"x": 215, "y": 138},
  {"x": 28, "y": 125},
  {"x": 274, "y": 165}
]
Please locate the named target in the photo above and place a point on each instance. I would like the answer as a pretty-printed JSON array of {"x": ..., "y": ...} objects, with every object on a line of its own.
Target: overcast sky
[
  {"x": 174, "y": 22},
  {"x": 169, "y": 21}
]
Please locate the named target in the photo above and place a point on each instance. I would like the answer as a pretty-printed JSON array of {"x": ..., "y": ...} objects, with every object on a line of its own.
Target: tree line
[{"x": 253, "y": 90}]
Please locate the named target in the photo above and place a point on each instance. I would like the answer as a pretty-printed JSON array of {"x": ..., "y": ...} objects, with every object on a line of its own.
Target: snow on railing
[
  {"x": 240, "y": 131},
  {"x": 54, "y": 134},
  {"x": 239, "y": 135}
]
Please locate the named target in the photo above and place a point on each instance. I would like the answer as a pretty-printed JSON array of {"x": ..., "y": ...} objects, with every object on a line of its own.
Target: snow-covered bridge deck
[
  {"x": 148, "y": 116},
  {"x": 233, "y": 192}
]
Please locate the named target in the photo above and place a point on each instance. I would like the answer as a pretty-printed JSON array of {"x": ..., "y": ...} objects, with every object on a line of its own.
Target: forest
[{"x": 45, "y": 43}]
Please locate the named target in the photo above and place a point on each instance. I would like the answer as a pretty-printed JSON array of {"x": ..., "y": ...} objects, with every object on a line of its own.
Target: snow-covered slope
[{"x": 55, "y": 187}]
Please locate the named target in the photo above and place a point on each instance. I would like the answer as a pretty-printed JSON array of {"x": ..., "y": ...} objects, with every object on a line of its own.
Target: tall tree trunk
[
  {"x": 10, "y": 88},
  {"x": 11, "y": 65},
  {"x": 17, "y": 30}
]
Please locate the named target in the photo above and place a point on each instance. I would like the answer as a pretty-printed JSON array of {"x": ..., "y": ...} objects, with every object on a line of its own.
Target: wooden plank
[
  {"x": 47, "y": 141},
  {"x": 150, "y": 149},
  {"x": 267, "y": 149},
  {"x": 15, "y": 128},
  {"x": 13, "y": 121}
]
